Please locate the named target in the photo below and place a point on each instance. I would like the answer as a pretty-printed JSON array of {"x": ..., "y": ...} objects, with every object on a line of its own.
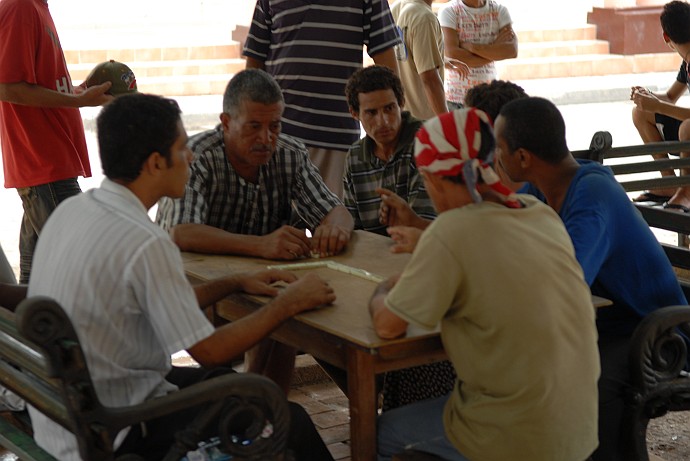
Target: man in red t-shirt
[{"x": 41, "y": 131}]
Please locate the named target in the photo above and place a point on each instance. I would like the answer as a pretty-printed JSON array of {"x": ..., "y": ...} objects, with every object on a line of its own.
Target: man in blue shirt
[{"x": 613, "y": 243}]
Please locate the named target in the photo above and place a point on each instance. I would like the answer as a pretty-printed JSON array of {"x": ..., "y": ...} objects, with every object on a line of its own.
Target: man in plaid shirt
[
  {"x": 249, "y": 183},
  {"x": 382, "y": 186}
]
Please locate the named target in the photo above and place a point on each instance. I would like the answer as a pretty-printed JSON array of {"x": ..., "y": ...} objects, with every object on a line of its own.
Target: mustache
[{"x": 262, "y": 147}]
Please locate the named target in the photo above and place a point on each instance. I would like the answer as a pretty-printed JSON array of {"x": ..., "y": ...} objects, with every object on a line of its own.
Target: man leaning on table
[
  {"x": 498, "y": 272},
  {"x": 249, "y": 183},
  {"x": 620, "y": 256},
  {"x": 121, "y": 282}
]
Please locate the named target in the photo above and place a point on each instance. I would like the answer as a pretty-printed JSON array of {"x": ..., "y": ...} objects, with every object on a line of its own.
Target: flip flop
[
  {"x": 652, "y": 197},
  {"x": 675, "y": 206}
]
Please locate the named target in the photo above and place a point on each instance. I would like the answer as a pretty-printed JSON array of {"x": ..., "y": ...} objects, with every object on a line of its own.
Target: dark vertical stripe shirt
[{"x": 312, "y": 48}]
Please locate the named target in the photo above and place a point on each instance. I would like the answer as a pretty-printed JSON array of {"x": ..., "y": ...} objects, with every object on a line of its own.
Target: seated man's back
[{"x": 515, "y": 313}]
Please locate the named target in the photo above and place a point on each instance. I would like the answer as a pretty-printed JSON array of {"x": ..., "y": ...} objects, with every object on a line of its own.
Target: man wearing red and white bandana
[{"x": 498, "y": 272}]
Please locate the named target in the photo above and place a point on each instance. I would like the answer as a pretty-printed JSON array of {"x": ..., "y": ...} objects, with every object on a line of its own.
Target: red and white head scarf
[{"x": 449, "y": 144}]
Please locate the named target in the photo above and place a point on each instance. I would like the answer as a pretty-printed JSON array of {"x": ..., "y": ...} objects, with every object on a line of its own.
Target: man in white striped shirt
[{"x": 120, "y": 279}]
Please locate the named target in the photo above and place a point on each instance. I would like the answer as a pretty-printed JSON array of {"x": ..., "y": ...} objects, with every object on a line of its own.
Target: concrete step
[
  {"x": 150, "y": 69},
  {"x": 186, "y": 85},
  {"x": 230, "y": 50},
  {"x": 585, "y": 65},
  {"x": 585, "y": 32},
  {"x": 171, "y": 70},
  {"x": 562, "y": 48}
]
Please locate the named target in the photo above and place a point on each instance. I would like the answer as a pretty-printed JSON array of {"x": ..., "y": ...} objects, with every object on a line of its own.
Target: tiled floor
[{"x": 328, "y": 408}]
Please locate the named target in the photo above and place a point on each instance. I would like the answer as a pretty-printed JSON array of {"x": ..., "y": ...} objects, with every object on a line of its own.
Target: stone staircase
[
  {"x": 576, "y": 52},
  {"x": 169, "y": 71},
  {"x": 202, "y": 69}
]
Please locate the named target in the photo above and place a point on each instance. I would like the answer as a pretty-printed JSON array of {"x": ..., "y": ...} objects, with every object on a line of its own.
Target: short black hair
[
  {"x": 675, "y": 21},
  {"x": 131, "y": 128},
  {"x": 253, "y": 85},
  {"x": 491, "y": 97},
  {"x": 373, "y": 78},
  {"x": 535, "y": 124}
]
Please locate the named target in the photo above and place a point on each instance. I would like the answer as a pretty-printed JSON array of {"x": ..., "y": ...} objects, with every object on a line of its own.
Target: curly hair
[
  {"x": 491, "y": 97},
  {"x": 373, "y": 78}
]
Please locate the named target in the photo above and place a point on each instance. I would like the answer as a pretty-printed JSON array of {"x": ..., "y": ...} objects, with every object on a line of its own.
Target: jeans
[
  {"x": 38, "y": 203},
  {"x": 419, "y": 427}
]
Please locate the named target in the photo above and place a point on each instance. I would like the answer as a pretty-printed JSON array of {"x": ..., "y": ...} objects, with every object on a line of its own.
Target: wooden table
[{"x": 341, "y": 334}]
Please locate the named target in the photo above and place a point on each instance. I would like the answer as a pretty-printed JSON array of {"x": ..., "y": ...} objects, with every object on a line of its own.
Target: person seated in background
[
  {"x": 381, "y": 184},
  {"x": 120, "y": 280},
  {"x": 657, "y": 117},
  {"x": 249, "y": 183},
  {"x": 498, "y": 263},
  {"x": 382, "y": 188},
  {"x": 613, "y": 243},
  {"x": 491, "y": 97}
]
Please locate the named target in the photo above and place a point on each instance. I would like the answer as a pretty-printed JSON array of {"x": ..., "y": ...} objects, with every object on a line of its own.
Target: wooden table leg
[{"x": 361, "y": 385}]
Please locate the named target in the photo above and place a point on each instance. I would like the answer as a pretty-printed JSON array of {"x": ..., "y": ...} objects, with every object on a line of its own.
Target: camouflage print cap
[{"x": 119, "y": 74}]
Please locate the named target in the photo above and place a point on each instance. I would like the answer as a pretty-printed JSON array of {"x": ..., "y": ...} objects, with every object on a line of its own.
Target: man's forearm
[
  {"x": 471, "y": 59},
  {"x": 386, "y": 324},
  {"x": 253, "y": 63},
  {"x": 34, "y": 95},
  {"x": 237, "y": 337},
  {"x": 493, "y": 51},
  {"x": 215, "y": 290},
  {"x": 671, "y": 110},
  {"x": 387, "y": 58},
  {"x": 435, "y": 94},
  {"x": 201, "y": 238},
  {"x": 339, "y": 216}
]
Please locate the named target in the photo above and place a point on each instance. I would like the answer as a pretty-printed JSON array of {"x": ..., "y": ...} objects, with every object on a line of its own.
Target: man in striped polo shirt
[{"x": 312, "y": 49}]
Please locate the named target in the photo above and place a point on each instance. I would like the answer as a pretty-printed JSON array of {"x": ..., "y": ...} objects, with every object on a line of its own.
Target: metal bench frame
[{"x": 42, "y": 361}]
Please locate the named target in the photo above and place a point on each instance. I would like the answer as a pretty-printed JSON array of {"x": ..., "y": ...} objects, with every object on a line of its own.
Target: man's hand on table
[
  {"x": 330, "y": 239},
  {"x": 306, "y": 293},
  {"x": 260, "y": 282},
  {"x": 405, "y": 238},
  {"x": 286, "y": 242}
]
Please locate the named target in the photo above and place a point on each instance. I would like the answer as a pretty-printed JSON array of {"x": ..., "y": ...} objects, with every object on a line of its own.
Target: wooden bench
[
  {"x": 658, "y": 351},
  {"x": 42, "y": 361}
]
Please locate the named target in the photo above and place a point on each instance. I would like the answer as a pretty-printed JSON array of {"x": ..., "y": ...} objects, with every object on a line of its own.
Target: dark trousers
[
  {"x": 303, "y": 439},
  {"x": 38, "y": 203},
  {"x": 615, "y": 376}
]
